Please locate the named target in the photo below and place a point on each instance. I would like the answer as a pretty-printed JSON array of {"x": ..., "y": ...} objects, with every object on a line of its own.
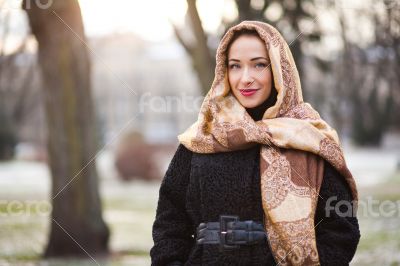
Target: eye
[
  {"x": 234, "y": 66},
  {"x": 261, "y": 65}
]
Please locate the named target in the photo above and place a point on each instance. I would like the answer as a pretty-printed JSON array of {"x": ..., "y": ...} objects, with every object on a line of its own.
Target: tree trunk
[
  {"x": 202, "y": 60},
  {"x": 77, "y": 226}
]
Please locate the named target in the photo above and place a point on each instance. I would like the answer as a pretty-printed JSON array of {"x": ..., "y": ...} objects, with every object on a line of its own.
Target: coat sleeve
[
  {"x": 337, "y": 230},
  {"x": 172, "y": 229}
]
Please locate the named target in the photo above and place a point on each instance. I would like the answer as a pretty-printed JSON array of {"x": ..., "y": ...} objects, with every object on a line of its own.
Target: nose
[{"x": 246, "y": 77}]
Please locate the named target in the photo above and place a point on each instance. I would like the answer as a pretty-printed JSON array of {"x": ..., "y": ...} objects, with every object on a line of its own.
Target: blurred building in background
[{"x": 143, "y": 86}]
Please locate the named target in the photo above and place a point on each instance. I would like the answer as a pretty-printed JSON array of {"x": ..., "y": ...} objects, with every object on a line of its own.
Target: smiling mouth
[{"x": 248, "y": 92}]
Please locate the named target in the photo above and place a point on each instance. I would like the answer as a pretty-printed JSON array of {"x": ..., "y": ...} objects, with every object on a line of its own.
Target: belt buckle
[{"x": 223, "y": 223}]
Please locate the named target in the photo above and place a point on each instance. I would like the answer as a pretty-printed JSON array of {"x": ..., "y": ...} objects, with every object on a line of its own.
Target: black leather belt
[{"x": 230, "y": 233}]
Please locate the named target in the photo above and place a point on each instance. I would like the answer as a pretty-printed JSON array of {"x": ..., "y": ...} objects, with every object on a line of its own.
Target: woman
[{"x": 260, "y": 178}]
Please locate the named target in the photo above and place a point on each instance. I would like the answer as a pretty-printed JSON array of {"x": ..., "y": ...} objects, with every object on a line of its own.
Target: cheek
[
  {"x": 267, "y": 80},
  {"x": 232, "y": 80}
]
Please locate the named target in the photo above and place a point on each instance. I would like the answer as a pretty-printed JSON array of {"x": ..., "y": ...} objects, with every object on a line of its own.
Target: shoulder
[
  {"x": 182, "y": 152},
  {"x": 181, "y": 160},
  {"x": 334, "y": 183}
]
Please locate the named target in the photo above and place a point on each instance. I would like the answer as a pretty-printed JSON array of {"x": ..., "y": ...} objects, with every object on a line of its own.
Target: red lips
[{"x": 248, "y": 92}]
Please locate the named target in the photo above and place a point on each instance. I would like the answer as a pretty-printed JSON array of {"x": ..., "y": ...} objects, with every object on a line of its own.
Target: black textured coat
[{"x": 200, "y": 187}]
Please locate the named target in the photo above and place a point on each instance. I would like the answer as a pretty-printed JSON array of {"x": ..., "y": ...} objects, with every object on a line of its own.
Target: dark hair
[{"x": 236, "y": 35}]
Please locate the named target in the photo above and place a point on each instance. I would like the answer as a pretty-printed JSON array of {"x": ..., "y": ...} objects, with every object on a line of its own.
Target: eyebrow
[{"x": 253, "y": 59}]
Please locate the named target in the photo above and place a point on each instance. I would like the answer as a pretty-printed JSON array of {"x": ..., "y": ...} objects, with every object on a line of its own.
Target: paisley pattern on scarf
[{"x": 294, "y": 139}]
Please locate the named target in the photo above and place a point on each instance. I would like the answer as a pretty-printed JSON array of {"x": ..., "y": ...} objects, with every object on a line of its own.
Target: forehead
[{"x": 247, "y": 46}]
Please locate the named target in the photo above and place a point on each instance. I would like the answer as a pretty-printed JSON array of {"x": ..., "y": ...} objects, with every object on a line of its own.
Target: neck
[{"x": 257, "y": 112}]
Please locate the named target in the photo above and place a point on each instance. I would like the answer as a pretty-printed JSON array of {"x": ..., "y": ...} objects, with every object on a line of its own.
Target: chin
[{"x": 248, "y": 104}]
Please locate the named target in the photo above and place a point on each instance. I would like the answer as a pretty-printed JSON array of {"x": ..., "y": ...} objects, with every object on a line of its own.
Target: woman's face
[{"x": 249, "y": 71}]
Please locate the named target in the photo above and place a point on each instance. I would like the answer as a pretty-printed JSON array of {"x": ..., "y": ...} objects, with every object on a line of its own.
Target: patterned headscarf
[{"x": 294, "y": 143}]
